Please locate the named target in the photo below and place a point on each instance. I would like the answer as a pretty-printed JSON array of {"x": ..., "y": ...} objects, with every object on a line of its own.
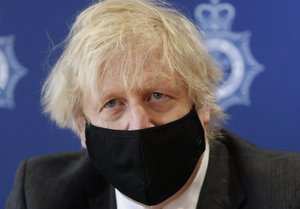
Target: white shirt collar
[{"x": 187, "y": 200}]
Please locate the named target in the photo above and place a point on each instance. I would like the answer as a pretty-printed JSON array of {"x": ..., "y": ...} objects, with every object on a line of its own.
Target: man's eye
[
  {"x": 111, "y": 104},
  {"x": 157, "y": 95}
]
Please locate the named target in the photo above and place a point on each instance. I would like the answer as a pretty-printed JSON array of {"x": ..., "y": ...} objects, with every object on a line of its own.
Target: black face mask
[{"x": 148, "y": 165}]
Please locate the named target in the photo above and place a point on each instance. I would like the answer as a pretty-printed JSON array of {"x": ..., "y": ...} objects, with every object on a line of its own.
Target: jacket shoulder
[
  {"x": 54, "y": 181},
  {"x": 267, "y": 175},
  {"x": 58, "y": 165},
  {"x": 244, "y": 150}
]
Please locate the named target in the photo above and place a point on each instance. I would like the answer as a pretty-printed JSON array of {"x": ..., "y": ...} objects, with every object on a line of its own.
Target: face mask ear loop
[
  {"x": 86, "y": 121},
  {"x": 193, "y": 107}
]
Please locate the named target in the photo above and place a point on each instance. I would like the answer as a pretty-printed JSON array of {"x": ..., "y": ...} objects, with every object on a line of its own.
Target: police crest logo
[
  {"x": 10, "y": 72},
  {"x": 230, "y": 49}
]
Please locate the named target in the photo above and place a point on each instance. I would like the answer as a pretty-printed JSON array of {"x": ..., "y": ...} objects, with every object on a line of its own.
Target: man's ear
[
  {"x": 80, "y": 125},
  {"x": 204, "y": 115}
]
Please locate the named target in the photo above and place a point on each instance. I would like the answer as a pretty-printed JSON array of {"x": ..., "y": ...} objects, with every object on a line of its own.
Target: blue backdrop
[{"x": 259, "y": 53}]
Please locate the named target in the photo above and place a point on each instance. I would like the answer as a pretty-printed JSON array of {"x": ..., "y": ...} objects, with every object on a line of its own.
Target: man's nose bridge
[{"x": 140, "y": 118}]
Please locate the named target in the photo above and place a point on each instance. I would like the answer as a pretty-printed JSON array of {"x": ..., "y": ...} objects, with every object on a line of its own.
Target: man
[{"x": 136, "y": 84}]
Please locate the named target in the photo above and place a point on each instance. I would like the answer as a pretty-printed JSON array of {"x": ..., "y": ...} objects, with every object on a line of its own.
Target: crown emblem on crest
[{"x": 215, "y": 16}]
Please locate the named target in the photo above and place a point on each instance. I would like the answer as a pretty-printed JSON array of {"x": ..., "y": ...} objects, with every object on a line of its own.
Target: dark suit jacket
[{"x": 239, "y": 175}]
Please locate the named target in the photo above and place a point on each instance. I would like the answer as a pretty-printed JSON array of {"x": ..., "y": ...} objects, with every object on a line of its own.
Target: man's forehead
[{"x": 144, "y": 79}]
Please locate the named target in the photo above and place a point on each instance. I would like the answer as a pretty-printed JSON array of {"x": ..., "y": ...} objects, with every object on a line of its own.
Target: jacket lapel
[
  {"x": 100, "y": 194},
  {"x": 221, "y": 188}
]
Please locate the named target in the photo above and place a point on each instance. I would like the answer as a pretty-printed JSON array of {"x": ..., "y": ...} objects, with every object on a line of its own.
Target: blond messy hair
[{"x": 137, "y": 32}]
